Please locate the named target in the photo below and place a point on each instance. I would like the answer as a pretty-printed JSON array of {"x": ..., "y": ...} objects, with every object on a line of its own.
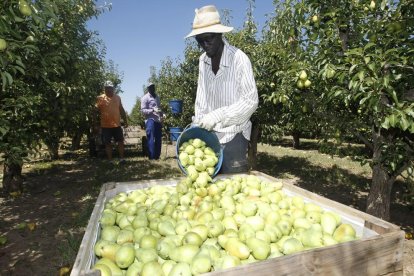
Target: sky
[{"x": 139, "y": 34}]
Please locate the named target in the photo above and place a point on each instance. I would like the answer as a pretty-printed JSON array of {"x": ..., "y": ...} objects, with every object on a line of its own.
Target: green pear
[
  {"x": 312, "y": 207},
  {"x": 184, "y": 253},
  {"x": 222, "y": 240},
  {"x": 246, "y": 231},
  {"x": 202, "y": 230},
  {"x": 110, "y": 233},
  {"x": 336, "y": 216},
  {"x": 180, "y": 269},
  {"x": 298, "y": 202},
  {"x": 229, "y": 261},
  {"x": 166, "y": 228},
  {"x": 134, "y": 269},
  {"x": 125, "y": 221},
  {"x": 344, "y": 232},
  {"x": 200, "y": 264},
  {"x": 164, "y": 248},
  {"x": 236, "y": 248},
  {"x": 192, "y": 238},
  {"x": 145, "y": 255},
  {"x": 125, "y": 256},
  {"x": 328, "y": 240},
  {"x": 125, "y": 236},
  {"x": 249, "y": 208},
  {"x": 272, "y": 218},
  {"x": 260, "y": 249},
  {"x": 148, "y": 241},
  {"x": 104, "y": 269},
  {"x": 239, "y": 218},
  {"x": 312, "y": 238},
  {"x": 98, "y": 247},
  {"x": 297, "y": 213},
  {"x": 328, "y": 223},
  {"x": 109, "y": 250},
  {"x": 302, "y": 223},
  {"x": 140, "y": 221},
  {"x": 263, "y": 235},
  {"x": 177, "y": 240},
  {"x": 215, "y": 228},
  {"x": 291, "y": 246},
  {"x": 274, "y": 232},
  {"x": 284, "y": 226},
  {"x": 229, "y": 223},
  {"x": 167, "y": 266},
  {"x": 182, "y": 226},
  {"x": 140, "y": 232},
  {"x": 256, "y": 222},
  {"x": 115, "y": 270},
  {"x": 281, "y": 241},
  {"x": 107, "y": 219},
  {"x": 314, "y": 216},
  {"x": 151, "y": 269}
]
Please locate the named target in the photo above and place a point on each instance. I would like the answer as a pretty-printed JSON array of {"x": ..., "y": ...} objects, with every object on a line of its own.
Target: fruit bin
[{"x": 379, "y": 251}]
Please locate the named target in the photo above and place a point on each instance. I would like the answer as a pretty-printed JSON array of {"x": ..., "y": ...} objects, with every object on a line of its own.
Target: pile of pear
[
  {"x": 186, "y": 230},
  {"x": 198, "y": 160}
]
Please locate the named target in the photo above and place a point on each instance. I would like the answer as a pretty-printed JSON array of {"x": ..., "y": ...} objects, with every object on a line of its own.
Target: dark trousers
[
  {"x": 235, "y": 155},
  {"x": 153, "y": 130}
]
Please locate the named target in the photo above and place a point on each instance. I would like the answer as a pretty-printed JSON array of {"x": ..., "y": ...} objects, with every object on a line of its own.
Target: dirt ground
[{"x": 60, "y": 198}]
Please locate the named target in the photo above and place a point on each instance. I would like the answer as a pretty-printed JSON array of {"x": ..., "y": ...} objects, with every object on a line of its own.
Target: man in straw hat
[{"x": 226, "y": 91}]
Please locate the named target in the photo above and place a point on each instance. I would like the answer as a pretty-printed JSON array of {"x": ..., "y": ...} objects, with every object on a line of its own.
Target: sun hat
[
  {"x": 207, "y": 20},
  {"x": 108, "y": 83}
]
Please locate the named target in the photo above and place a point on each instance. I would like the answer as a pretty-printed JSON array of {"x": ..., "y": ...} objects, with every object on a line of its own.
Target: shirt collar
[{"x": 225, "y": 55}]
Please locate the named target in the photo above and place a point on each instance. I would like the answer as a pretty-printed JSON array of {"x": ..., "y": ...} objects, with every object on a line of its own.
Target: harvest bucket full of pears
[{"x": 200, "y": 223}]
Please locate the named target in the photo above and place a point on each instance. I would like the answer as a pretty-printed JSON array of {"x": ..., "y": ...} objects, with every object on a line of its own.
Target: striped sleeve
[{"x": 241, "y": 111}]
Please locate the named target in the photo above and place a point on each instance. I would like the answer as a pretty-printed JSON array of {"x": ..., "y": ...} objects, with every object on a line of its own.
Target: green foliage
[{"x": 51, "y": 72}]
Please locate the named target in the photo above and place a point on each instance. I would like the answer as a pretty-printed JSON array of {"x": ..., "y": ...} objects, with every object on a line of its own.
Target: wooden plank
[
  {"x": 132, "y": 141},
  {"x": 379, "y": 255},
  {"x": 132, "y": 128}
]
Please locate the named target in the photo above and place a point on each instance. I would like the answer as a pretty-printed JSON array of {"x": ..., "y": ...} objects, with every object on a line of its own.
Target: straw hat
[
  {"x": 108, "y": 83},
  {"x": 207, "y": 20}
]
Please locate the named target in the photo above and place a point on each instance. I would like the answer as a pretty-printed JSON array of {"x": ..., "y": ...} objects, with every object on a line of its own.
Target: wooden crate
[{"x": 379, "y": 251}]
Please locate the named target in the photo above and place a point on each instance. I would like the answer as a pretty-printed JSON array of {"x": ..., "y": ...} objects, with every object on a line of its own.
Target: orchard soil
[{"x": 45, "y": 225}]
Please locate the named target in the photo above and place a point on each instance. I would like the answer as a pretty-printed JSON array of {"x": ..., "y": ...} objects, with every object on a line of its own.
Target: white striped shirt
[{"x": 230, "y": 96}]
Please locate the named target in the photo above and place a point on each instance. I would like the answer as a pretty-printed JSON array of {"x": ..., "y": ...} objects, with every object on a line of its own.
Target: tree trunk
[
  {"x": 12, "y": 178},
  {"x": 76, "y": 140},
  {"x": 252, "y": 152},
  {"x": 296, "y": 139},
  {"x": 379, "y": 197},
  {"x": 52, "y": 144}
]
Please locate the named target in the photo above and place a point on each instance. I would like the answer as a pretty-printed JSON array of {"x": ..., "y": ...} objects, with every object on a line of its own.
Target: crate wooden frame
[{"x": 378, "y": 252}]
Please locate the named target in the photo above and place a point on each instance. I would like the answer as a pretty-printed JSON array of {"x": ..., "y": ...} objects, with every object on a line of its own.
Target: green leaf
[
  {"x": 352, "y": 68},
  {"x": 9, "y": 78},
  {"x": 404, "y": 123},
  {"x": 386, "y": 81},
  {"x": 386, "y": 123},
  {"x": 383, "y": 4},
  {"x": 392, "y": 120},
  {"x": 369, "y": 45},
  {"x": 361, "y": 75}
]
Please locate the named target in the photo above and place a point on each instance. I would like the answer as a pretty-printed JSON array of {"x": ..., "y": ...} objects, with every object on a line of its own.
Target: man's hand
[
  {"x": 157, "y": 109},
  {"x": 208, "y": 122}
]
